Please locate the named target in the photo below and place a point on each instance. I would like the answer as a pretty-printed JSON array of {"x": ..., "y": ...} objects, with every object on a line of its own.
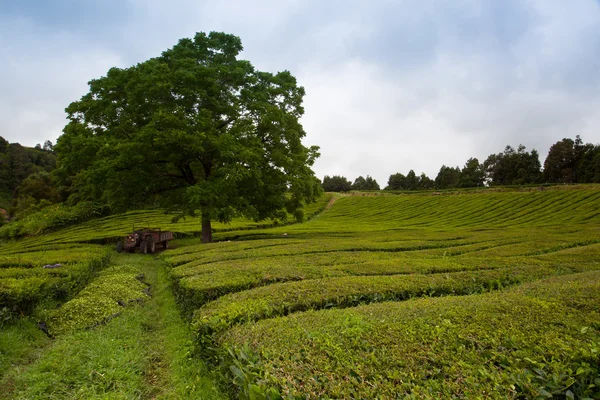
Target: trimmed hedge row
[
  {"x": 22, "y": 288},
  {"x": 526, "y": 342},
  {"x": 198, "y": 284},
  {"x": 349, "y": 291},
  {"x": 65, "y": 255},
  {"x": 101, "y": 300},
  {"x": 397, "y": 242}
]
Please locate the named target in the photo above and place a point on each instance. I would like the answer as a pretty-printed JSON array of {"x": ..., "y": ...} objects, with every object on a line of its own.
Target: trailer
[{"x": 146, "y": 239}]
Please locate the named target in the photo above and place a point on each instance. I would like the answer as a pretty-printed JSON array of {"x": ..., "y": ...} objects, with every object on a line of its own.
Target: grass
[
  {"x": 20, "y": 343},
  {"x": 145, "y": 352},
  {"x": 204, "y": 273}
]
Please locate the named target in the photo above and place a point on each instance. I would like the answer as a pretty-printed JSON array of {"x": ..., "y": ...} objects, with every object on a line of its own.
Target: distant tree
[
  {"x": 396, "y": 181},
  {"x": 48, "y": 146},
  {"x": 20, "y": 164},
  {"x": 3, "y": 145},
  {"x": 424, "y": 182},
  {"x": 561, "y": 163},
  {"x": 412, "y": 182},
  {"x": 409, "y": 182},
  {"x": 336, "y": 184},
  {"x": 472, "y": 174},
  {"x": 572, "y": 161},
  {"x": 17, "y": 163},
  {"x": 195, "y": 131},
  {"x": 588, "y": 166},
  {"x": 447, "y": 178},
  {"x": 367, "y": 183},
  {"x": 513, "y": 167}
]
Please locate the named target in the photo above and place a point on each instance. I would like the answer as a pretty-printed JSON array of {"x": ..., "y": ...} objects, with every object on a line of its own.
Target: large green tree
[{"x": 196, "y": 131}]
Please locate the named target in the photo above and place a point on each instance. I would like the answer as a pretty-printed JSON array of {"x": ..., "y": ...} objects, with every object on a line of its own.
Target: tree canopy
[
  {"x": 18, "y": 162},
  {"x": 512, "y": 167},
  {"x": 367, "y": 183},
  {"x": 571, "y": 161},
  {"x": 472, "y": 174},
  {"x": 447, "y": 178},
  {"x": 195, "y": 130},
  {"x": 336, "y": 184},
  {"x": 411, "y": 181}
]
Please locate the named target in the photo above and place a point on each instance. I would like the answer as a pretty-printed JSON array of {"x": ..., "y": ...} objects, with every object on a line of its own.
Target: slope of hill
[
  {"x": 489, "y": 294},
  {"x": 257, "y": 300}
]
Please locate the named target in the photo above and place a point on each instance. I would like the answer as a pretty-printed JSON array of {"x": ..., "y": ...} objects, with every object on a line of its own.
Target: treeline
[
  {"x": 340, "y": 184},
  {"x": 28, "y": 184},
  {"x": 25, "y": 177},
  {"x": 568, "y": 161}
]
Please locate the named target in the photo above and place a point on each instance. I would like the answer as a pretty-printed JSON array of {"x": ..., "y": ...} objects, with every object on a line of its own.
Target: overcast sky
[{"x": 390, "y": 85}]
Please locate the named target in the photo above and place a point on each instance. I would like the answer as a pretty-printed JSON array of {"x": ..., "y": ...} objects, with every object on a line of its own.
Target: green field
[{"x": 476, "y": 294}]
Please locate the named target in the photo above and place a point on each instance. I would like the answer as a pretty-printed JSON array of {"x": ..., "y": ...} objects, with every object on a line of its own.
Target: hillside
[
  {"x": 488, "y": 293},
  {"x": 17, "y": 163}
]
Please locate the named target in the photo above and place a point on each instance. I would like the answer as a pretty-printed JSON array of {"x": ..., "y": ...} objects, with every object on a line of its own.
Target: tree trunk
[{"x": 206, "y": 229}]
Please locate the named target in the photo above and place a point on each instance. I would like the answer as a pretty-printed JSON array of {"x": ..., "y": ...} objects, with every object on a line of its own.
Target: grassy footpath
[{"x": 143, "y": 353}]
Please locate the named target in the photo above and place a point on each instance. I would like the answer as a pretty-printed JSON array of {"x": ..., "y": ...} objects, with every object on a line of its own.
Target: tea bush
[
  {"x": 519, "y": 343},
  {"x": 24, "y": 282},
  {"x": 349, "y": 291},
  {"x": 204, "y": 273},
  {"x": 287, "y": 311},
  {"x": 104, "y": 298}
]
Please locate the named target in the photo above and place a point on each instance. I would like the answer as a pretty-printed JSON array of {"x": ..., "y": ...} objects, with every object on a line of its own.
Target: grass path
[
  {"x": 172, "y": 372},
  {"x": 145, "y": 353}
]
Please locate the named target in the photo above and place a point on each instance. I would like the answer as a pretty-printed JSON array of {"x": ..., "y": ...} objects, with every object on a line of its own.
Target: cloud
[
  {"x": 391, "y": 86},
  {"x": 41, "y": 75}
]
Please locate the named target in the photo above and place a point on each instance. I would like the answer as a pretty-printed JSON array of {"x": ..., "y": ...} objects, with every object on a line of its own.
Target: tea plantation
[{"x": 476, "y": 294}]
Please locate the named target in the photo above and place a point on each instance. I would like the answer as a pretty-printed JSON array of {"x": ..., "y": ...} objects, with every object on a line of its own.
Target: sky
[{"x": 390, "y": 85}]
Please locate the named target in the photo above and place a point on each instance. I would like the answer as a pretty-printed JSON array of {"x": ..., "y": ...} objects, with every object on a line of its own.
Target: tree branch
[{"x": 226, "y": 122}]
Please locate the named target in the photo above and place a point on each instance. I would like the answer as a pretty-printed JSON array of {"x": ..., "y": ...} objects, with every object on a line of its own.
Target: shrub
[
  {"x": 520, "y": 343},
  {"x": 341, "y": 292},
  {"x": 101, "y": 300}
]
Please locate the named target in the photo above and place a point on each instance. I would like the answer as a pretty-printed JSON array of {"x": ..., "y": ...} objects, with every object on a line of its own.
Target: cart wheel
[
  {"x": 119, "y": 246},
  {"x": 143, "y": 247}
]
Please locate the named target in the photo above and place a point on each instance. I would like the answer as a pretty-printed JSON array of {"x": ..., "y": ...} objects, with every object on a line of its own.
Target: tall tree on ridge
[{"x": 195, "y": 131}]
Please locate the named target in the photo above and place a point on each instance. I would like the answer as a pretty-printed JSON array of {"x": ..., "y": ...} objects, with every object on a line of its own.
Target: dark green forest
[{"x": 26, "y": 178}]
